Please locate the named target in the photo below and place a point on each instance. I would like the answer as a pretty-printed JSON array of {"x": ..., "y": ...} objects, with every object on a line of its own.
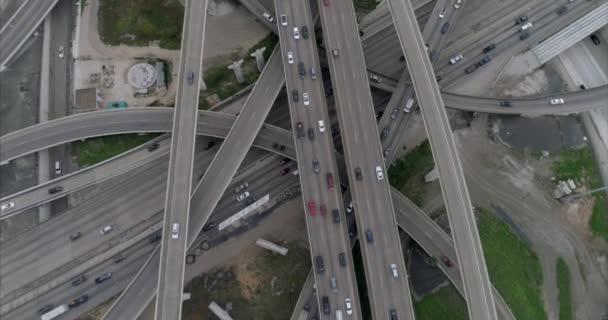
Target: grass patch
[
  {"x": 365, "y": 5},
  {"x": 137, "y": 22},
  {"x": 579, "y": 165},
  {"x": 565, "y": 295},
  {"x": 407, "y": 174},
  {"x": 513, "y": 267},
  {"x": 255, "y": 292},
  {"x": 95, "y": 150},
  {"x": 447, "y": 303}
]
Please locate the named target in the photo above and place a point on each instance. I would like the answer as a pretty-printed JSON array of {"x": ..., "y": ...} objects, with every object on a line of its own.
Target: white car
[
  {"x": 442, "y": 13},
  {"x": 243, "y": 196},
  {"x": 349, "y": 209},
  {"x": 268, "y": 17},
  {"x": 348, "y": 305},
  {"x": 455, "y": 59},
  {"x": 106, "y": 229},
  {"x": 379, "y": 173},
  {"x": 306, "y": 98},
  {"x": 557, "y": 101},
  {"x": 284, "y": 20},
  {"x": 60, "y": 51},
  {"x": 394, "y": 270},
  {"x": 457, "y": 4},
  {"x": 321, "y": 126},
  {"x": 175, "y": 231},
  {"x": 296, "y": 33},
  {"x": 8, "y": 205},
  {"x": 290, "y": 57},
  {"x": 408, "y": 105}
]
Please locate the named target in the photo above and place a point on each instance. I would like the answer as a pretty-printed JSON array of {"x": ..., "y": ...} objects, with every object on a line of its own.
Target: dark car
[
  {"x": 561, "y": 10},
  {"x": 250, "y": 200},
  {"x": 336, "y": 214},
  {"x": 330, "y": 182},
  {"x": 385, "y": 133},
  {"x": 489, "y": 48},
  {"x": 505, "y": 103},
  {"x": 433, "y": 55},
  {"x": 152, "y": 147},
  {"x": 285, "y": 171},
  {"x": 119, "y": 258},
  {"x": 393, "y": 314},
  {"x": 445, "y": 27},
  {"x": 302, "y": 70},
  {"x": 54, "y": 190},
  {"x": 190, "y": 77},
  {"x": 210, "y": 145},
  {"x": 358, "y": 174},
  {"x": 524, "y": 36},
  {"x": 155, "y": 237},
  {"x": 394, "y": 113},
  {"x": 369, "y": 236},
  {"x": 521, "y": 20},
  {"x": 315, "y": 166},
  {"x": 75, "y": 236},
  {"x": 78, "y": 301},
  {"x": 342, "y": 259},
  {"x": 305, "y": 32},
  {"x": 470, "y": 69},
  {"x": 46, "y": 309},
  {"x": 311, "y": 134},
  {"x": 103, "y": 277},
  {"x": 77, "y": 281},
  {"x": 295, "y": 95},
  {"x": 582, "y": 86},
  {"x": 300, "y": 130},
  {"x": 595, "y": 39},
  {"x": 325, "y": 303},
  {"x": 320, "y": 265},
  {"x": 284, "y": 161},
  {"x": 209, "y": 226},
  {"x": 446, "y": 261},
  {"x": 386, "y": 152},
  {"x": 485, "y": 60}
]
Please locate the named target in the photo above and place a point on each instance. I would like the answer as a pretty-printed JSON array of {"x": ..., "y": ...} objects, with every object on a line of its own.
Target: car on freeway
[
  {"x": 349, "y": 209},
  {"x": 153, "y": 146},
  {"x": 312, "y": 207},
  {"x": 296, "y": 33},
  {"x": 74, "y": 236},
  {"x": 445, "y": 27},
  {"x": 582, "y": 86},
  {"x": 457, "y": 4},
  {"x": 8, "y": 205},
  {"x": 489, "y": 48},
  {"x": 505, "y": 103},
  {"x": 330, "y": 182},
  {"x": 561, "y": 10},
  {"x": 268, "y": 17},
  {"x": 433, "y": 55},
  {"x": 300, "y": 130},
  {"x": 56, "y": 189},
  {"x": 442, "y": 13},
  {"x": 375, "y": 78},
  {"x": 335, "y": 52},
  {"x": 342, "y": 259},
  {"x": 190, "y": 77},
  {"x": 302, "y": 70},
  {"x": 521, "y": 20},
  {"x": 325, "y": 303},
  {"x": 485, "y": 60},
  {"x": 326, "y": 2},
  {"x": 336, "y": 215},
  {"x": 306, "y": 98},
  {"x": 46, "y": 309},
  {"x": 155, "y": 237},
  {"x": 119, "y": 258},
  {"x": 241, "y": 187},
  {"x": 290, "y": 59},
  {"x": 369, "y": 236},
  {"x": 316, "y": 167},
  {"x": 250, "y": 200},
  {"x": 524, "y": 36},
  {"x": 284, "y": 20},
  {"x": 455, "y": 59},
  {"x": 393, "y": 314},
  {"x": 394, "y": 270},
  {"x": 394, "y": 113},
  {"x": 311, "y": 134},
  {"x": 175, "y": 231},
  {"x": 385, "y": 133},
  {"x": 408, "y": 105},
  {"x": 295, "y": 95},
  {"x": 595, "y": 39},
  {"x": 243, "y": 196},
  {"x": 470, "y": 69},
  {"x": 358, "y": 174},
  {"x": 79, "y": 280},
  {"x": 323, "y": 209},
  {"x": 446, "y": 261},
  {"x": 103, "y": 277},
  {"x": 321, "y": 125},
  {"x": 78, "y": 301},
  {"x": 348, "y": 305},
  {"x": 319, "y": 263},
  {"x": 333, "y": 283},
  {"x": 379, "y": 173},
  {"x": 305, "y": 32},
  {"x": 556, "y": 101},
  {"x": 107, "y": 229},
  {"x": 313, "y": 73},
  {"x": 386, "y": 152},
  {"x": 525, "y": 27},
  {"x": 209, "y": 226},
  {"x": 284, "y": 161},
  {"x": 285, "y": 171},
  {"x": 60, "y": 51},
  {"x": 57, "y": 167}
]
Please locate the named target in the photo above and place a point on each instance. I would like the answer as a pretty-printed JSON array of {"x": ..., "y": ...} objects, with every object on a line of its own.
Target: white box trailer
[{"x": 55, "y": 312}]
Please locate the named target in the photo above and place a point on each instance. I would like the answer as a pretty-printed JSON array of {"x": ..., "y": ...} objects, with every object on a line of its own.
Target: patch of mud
[
  {"x": 221, "y": 7},
  {"x": 246, "y": 275}
]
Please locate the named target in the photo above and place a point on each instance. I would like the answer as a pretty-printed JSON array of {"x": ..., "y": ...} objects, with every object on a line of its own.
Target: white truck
[{"x": 55, "y": 312}]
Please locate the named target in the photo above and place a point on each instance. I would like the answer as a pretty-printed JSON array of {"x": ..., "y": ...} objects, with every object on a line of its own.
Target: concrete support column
[
  {"x": 259, "y": 58},
  {"x": 238, "y": 71}
]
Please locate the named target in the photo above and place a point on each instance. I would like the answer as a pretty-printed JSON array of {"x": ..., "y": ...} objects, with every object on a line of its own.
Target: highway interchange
[{"x": 313, "y": 185}]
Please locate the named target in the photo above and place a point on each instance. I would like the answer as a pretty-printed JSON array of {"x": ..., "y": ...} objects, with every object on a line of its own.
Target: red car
[
  {"x": 330, "y": 182},
  {"x": 326, "y": 2},
  {"x": 312, "y": 207},
  {"x": 285, "y": 171},
  {"x": 446, "y": 261},
  {"x": 323, "y": 210}
]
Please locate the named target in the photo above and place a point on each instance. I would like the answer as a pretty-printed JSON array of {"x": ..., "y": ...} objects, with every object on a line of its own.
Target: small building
[
  {"x": 160, "y": 74},
  {"x": 86, "y": 99}
]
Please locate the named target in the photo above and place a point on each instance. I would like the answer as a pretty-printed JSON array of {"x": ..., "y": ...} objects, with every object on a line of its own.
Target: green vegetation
[
  {"x": 513, "y": 267},
  {"x": 137, "y": 22},
  {"x": 221, "y": 81},
  {"x": 407, "y": 174},
  {"x": 254, "y": 292},
  {"x": 579, "y": 165},
  {"x": 366, "y": 310},
  {"x": 565, "y": 296},
  {"x": 445, "y": 304},
  {"x": 95, "y": 150},
  {"x": 365, "y": 5}
]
